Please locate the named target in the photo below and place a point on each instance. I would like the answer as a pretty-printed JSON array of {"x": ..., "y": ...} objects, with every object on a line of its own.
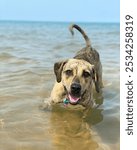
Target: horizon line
[{"x": 51, "y": 21}]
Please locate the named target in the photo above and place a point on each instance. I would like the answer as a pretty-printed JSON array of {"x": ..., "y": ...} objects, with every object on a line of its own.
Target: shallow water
[{"x": 28, "y": 51}]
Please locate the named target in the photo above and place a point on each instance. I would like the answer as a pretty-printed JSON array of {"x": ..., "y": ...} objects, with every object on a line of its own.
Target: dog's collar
[{"x": 66, "y": 101}]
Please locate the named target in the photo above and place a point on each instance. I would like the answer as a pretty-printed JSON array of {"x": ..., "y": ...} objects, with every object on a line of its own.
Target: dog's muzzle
[{"x": 75, "y": 93}]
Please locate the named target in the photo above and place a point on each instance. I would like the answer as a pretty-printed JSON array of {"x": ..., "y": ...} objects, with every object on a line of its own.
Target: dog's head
[{"x": 77, "y": 76}]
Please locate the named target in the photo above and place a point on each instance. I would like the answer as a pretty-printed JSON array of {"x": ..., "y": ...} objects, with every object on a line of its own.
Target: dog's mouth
[{"x": 73, "y": 99}]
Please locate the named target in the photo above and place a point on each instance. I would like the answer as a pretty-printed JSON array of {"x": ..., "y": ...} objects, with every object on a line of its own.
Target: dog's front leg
[
  {"x": 57, "y": 96},
  {"x": 58, "y": 93}
]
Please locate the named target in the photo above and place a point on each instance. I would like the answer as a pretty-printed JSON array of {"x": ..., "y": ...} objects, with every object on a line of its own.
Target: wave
[{"x": 6, "y": 56}]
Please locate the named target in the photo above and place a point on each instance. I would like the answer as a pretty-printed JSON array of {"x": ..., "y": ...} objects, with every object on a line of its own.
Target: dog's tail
[{"x": 88, "y": 44}]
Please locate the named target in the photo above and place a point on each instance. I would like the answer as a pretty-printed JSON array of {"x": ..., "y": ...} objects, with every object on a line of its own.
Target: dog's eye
[
  {"x": 68, "y": 72},
  {"x": 86, "y": 74}
]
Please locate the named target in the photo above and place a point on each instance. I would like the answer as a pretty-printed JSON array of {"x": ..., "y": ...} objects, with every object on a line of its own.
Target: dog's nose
[{"x": 75, "y": 87}]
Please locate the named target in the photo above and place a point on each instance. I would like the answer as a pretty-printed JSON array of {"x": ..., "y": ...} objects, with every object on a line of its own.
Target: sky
[{"x": 61, "y": 10}]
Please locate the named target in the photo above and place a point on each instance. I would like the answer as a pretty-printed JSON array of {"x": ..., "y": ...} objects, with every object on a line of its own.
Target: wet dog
[{"x": 76, "y": 78}]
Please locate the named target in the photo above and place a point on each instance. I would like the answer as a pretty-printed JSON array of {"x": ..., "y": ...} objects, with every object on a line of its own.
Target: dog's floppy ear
[
  {"x": 95, "y": 79},
  {"x": 58, "y": 67}
]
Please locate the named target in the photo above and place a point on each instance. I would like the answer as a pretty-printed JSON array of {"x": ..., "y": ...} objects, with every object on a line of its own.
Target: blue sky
[{"x": 61, "y": 10}]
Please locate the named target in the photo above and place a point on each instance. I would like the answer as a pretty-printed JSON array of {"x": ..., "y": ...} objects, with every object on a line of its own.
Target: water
[{"x": 28, "y": 51}]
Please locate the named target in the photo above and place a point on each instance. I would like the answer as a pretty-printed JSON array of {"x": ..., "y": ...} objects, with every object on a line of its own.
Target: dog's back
[{"x": 87, "y": 53}]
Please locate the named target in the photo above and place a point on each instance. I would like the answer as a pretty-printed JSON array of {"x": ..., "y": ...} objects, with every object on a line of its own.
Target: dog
[{"x": 76, "y": 78}]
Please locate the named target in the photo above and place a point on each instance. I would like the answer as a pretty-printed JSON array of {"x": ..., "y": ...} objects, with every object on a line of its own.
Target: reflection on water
[
  {"x": 70, "y": 130},
  {"x": 27, "y": 54}
]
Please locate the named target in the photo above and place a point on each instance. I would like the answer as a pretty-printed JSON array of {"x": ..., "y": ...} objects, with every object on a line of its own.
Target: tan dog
[{"x": 77, "y": 77}]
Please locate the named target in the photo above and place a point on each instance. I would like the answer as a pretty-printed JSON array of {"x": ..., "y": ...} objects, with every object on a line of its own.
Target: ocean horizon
[{"x": 44, "y": 21}]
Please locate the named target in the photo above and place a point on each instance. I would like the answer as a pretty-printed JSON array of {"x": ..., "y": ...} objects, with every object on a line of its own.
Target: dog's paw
[{"x": 46, "y": 105}]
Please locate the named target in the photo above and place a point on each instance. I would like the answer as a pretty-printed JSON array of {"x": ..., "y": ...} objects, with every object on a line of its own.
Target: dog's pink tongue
[{"x": 73, "y": 99}]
